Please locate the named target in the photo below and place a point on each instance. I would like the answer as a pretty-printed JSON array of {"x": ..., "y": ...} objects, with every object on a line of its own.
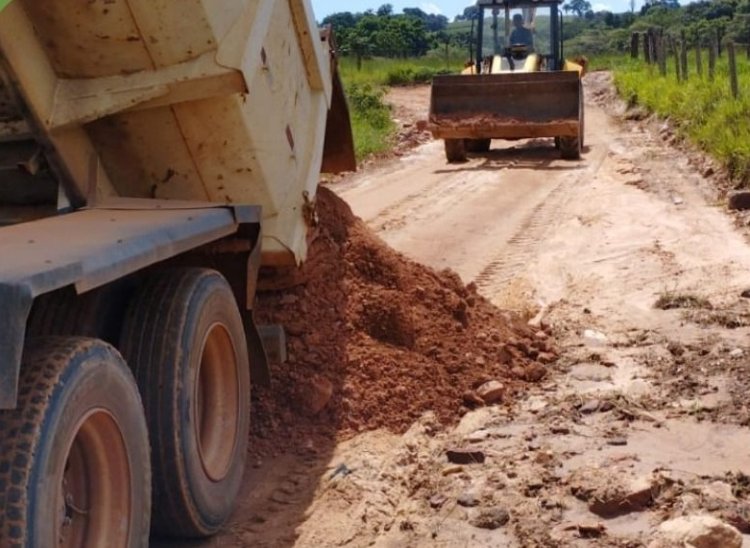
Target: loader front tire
[
  {"x": 478, "y": 145},
  {"x": 184, "y": 338},
  {"x": 570, "y": 148},
  {"x": 455, "y": 151},
  {"x": 74, "y": 454}
]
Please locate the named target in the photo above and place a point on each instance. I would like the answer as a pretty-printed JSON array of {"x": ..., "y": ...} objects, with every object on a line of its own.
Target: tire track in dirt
[{"x": 520, "y": 248}]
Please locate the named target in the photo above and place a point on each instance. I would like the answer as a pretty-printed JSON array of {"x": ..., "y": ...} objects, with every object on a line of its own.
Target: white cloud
[
  {"x": 601, "y": 7},
  {"x": 430, "y": 7}
]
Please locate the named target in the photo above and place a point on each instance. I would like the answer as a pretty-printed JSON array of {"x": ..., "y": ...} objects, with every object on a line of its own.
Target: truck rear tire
[
  {"x": 74, "y": 454},
  {"x": 97, "y": 314},
  {"x": 184, "y": 338},
  {"x": 455, "y": 151}
]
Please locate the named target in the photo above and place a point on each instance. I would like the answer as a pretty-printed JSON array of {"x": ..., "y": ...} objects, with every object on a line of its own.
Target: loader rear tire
[
  {"x": 184, "y": 338},
  {"x": 570, "y": 148},
  {"x": 478, "y": 145},
  {"x": 455, "y": 151},
  {"x": 74, "y": 454}
]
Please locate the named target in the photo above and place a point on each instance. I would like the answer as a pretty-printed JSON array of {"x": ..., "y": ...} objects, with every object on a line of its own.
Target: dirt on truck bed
[{"x": 376, "y": 340}]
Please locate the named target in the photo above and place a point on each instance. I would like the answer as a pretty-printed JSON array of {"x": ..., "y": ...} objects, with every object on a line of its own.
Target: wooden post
[
  {"x": 732, "y": 70},
  {"x": 718, "y": 42},
  {"x": 683, "y": 56},
  {"x": 653, "y": 44},
  {"x": 699, "y": 60},
  {"x": 676, "y": 53},
  {"x": 634, "y": 42},
  {"x": 661, "y": 52},
  {"x": 712, "y": 59},
  {"x": 646, "y": 47}
]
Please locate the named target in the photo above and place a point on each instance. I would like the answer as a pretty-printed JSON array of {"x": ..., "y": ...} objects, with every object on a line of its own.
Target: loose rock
[
  {"x": 316, "y": 395},
  {"x": 620, "y": 501},
  {"x": 468, "y": 500},
  {"x": 699, "y": 531},
  {"x": 594, "y": 338},
  {"x": 465, "y": 456},
  {"x": 589, "y": 407},
  {"x": 739, "y": 200},
  {"x": 491, "y": 392},
  {"x": 491, "y": 518}
]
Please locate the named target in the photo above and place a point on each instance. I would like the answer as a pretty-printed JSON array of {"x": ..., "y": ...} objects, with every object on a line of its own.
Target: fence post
[
  {"x": 732, "y": 70},
  {"x": 661, "y": 52},
  {"x": 699, "y": 60},
  {"x": 646, "y": 48},
  {"x": 718, "y": 42},
  {"x": 673, "y": 44},
  {"x": 683, "y": 56},
  {"x": 634, "y": 42},
  {"x": 712, "y": 59}
]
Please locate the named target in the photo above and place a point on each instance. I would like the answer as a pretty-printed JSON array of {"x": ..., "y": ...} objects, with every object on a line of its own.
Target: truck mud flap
[
  {"x": 338, "y": 152},
  {"x": 506, "y": 106}
]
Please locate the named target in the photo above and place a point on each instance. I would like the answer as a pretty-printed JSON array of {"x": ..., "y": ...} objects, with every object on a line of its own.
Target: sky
[{"x": 449, "y": 8}]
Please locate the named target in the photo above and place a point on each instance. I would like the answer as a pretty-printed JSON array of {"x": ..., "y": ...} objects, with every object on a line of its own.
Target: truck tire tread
[{"x": 154, "y": 322}]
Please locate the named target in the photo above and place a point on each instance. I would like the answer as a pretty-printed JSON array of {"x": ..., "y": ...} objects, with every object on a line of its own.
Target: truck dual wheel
[
  {"x": 455, "y": 150},
  {"x": 97, "y": 314},
  {"x": 183, "y": 337},
  {"x": 74, "y": 454}
]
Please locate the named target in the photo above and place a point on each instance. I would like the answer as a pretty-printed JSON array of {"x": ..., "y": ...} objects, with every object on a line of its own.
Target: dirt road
[{"x": 644, "y": 418}]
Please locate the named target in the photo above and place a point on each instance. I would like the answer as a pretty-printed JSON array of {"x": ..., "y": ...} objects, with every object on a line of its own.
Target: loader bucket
[{"x": 506, "y": 106}]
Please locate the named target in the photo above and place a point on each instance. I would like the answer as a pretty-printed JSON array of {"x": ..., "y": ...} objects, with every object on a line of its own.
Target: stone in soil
[
  {"x": 697, "y": 531},
  {"x": 468, "y": 500},
  {"x": 490, "y": 518},
  {"x": 465, "y": 456},
  {"x": 739, "y": 200},
  {"x": 491, "y": 392}
]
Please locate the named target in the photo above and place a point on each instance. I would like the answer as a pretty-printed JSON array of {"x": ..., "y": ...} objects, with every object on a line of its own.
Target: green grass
[
  {"x": 704, "y": 111},
  {"x": 399, "y": 72},
  {"x": 372, "y": 122}
]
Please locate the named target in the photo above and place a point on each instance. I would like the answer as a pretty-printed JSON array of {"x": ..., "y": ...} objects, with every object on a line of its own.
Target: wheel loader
[{"x": 518, "y": 86}]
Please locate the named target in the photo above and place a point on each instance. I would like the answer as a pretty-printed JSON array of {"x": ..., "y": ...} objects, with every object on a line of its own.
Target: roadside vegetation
[
  {"x": 366, "y": 87},
  {"x": 701, "y": 110}
]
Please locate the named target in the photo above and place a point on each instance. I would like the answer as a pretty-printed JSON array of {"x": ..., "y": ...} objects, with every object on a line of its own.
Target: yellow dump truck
[
  {"x": 153, "y": 155},
  {"x": 519, "y": 85}
]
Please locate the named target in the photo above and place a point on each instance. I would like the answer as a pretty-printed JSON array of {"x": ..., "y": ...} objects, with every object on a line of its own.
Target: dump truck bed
[{"x": 222, "y": 102}]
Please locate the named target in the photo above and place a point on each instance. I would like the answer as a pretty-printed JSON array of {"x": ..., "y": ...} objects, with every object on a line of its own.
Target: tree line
[
  {"x": 384, "y": 33},
  {"x": 412, "y": 33}
]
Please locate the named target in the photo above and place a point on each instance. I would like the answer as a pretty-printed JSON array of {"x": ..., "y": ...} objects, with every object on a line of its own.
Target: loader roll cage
[{"x": 552, "y": 55}]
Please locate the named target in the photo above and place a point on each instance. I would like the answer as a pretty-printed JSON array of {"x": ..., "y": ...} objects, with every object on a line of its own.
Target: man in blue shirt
[{"x": 521, "y": 35}]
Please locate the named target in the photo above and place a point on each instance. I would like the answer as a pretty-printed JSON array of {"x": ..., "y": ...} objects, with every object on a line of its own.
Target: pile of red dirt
[{"x": 375, "y": 340}]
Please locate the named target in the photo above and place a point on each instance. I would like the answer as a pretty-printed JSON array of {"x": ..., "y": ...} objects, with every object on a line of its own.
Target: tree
[
  {"x": 386, "y": 10},
  {"x": 579, "y": 7},
  {"x": 360, "y": 46},
  {"x": 472, "y": 12},
  {"x": 341, "y": 20}
]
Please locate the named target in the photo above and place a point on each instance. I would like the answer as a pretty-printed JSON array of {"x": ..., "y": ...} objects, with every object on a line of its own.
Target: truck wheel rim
[
  {"x": 94, "y": 495},
  {"x": 217, "y": 403}
]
